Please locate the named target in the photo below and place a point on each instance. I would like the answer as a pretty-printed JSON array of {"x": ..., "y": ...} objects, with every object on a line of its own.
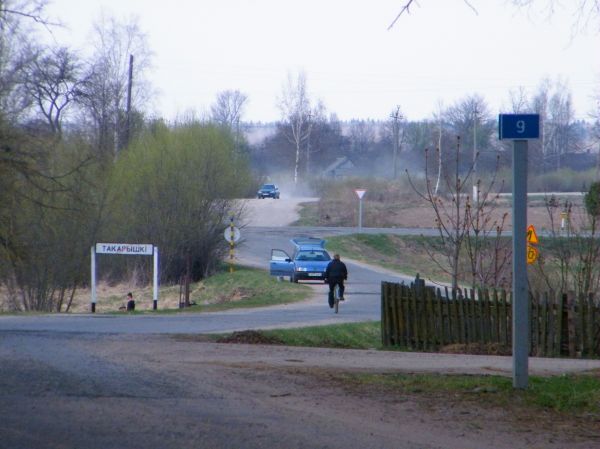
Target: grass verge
[
  {"x": 244, "y": 288},
  {"x": 365, "y": 335},
  {"x": 308, "y": 214},
  {"x": 405, "y": 254},
  {"x": 577, "y": 394},
  {"x": 574, "y": 394}
]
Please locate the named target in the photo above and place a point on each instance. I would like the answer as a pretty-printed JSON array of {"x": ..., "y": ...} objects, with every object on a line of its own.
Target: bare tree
[
  {"x": 466, "y": 227},
  {"x": 552, "y": 101},
  {"x": 584, "y": 12},
  {"x": 406, "y": 8},
  {"x": 51, "y": 79},
  {"x": 103, "y": 94},
  {"x": 519, "y": 101},
  {"x": 228, "y": 108},
  {"x": 363, "y": 135},
  {"x": 561, "y": 139},
  {"x": 295, "y": 108},
  {"x": 227, "y": 111},
  {"x": 397, "y": 122},
  {"x": 439, "y": 118},
  {"x": 571, "y": 256},
  {"x": 28, "y": 9}
]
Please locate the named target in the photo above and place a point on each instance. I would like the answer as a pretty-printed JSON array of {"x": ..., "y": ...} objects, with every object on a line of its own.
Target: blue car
[
  {"x": 308, "y": 262},
  {"x": 268, "y": 191}
]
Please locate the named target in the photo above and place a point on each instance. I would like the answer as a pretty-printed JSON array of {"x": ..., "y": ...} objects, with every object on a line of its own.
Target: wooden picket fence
[{"x": 425, "y": 318}]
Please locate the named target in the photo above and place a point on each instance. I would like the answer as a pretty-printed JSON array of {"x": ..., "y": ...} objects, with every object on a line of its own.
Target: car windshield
[
  {"x": 313, "y": 255},
  {"x": 268, "y": 187}
]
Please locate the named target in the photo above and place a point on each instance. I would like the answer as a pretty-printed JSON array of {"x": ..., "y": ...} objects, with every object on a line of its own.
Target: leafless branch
[{"x": 409, "y": 3}]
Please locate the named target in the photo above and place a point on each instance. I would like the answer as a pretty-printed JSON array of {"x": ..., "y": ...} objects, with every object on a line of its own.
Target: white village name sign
[
  {"x": 128, "y": 249},
  {"x": 124, "y": 248}
]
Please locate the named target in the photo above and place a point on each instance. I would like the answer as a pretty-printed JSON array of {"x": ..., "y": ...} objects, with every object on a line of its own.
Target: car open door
[{"x": 281, "y": 264}]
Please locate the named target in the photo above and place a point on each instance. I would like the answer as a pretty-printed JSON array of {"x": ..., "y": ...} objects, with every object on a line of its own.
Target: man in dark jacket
[{"x": 336, "y": 273}]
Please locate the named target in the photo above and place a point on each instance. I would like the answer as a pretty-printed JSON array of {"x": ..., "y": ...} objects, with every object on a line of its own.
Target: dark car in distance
[{"x": 268, "y": 191}]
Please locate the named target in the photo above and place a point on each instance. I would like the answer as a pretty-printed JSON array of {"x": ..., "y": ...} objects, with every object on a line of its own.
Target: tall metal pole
[
  {"x": 520, "y": 299},
  {"x": 231, "y": 243},
  {"x": 155, "y": 280},
  {"x": 360, "y": 215},
  {"x": 396, "y": 116},
  {"x": 475, "y": 187},
  {"x": 129, "y": 87},
  {"x": 93, "y": 277}
]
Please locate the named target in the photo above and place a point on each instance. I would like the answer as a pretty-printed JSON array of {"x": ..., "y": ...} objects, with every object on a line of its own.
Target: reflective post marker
[{"x": 520, "y": 299}]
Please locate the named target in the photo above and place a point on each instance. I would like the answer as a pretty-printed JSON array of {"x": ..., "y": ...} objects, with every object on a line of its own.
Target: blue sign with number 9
[{"x": 519, "y": 126}]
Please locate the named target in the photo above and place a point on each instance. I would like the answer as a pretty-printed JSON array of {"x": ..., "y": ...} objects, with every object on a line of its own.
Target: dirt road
[
  {"x": 269, "y": 212},
  {"x": 159, "y": 392}
]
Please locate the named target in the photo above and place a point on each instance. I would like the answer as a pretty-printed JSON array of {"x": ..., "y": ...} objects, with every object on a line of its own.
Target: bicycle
[{"x": 337, "y": 294}]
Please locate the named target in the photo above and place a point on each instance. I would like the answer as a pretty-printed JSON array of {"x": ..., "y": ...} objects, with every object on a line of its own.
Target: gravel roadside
[{"x": 98, "y": 391}]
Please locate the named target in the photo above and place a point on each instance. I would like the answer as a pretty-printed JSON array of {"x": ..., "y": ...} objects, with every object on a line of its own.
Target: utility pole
[
  {"x": 475, "y": 183},
  {"x": 310, "y": 123},
  {"x": 396, "y": 116},
  {"x": 129, "y": 86}
]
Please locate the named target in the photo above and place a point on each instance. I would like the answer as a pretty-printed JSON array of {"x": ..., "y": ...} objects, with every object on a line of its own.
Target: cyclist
[{"x": 335, "y": 273}]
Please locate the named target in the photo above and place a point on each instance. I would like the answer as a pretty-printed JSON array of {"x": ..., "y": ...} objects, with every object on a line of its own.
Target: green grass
[
  {"x": 565, "y": 394},
  {"x": 309, "y": 214},
  {"x": 244, "y": 288},
  {"x": 404, "y": 254},
  {"x": 577, "y": 394},
  {"x": 365, "y": 335}
]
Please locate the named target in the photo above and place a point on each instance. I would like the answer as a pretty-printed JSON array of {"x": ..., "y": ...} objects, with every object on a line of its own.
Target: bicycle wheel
[{"x": 336, "y": 298}]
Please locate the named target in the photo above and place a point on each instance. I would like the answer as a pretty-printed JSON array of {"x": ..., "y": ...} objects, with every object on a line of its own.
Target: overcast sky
[{"x": 442, "y": 51}]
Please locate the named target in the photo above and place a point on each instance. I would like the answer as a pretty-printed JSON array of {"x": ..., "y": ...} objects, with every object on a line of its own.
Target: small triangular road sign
[{"x": 532, "y": 235}]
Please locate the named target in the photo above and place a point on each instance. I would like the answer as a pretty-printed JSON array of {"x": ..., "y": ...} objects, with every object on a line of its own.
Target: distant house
[{"x": 341, "y": 168}]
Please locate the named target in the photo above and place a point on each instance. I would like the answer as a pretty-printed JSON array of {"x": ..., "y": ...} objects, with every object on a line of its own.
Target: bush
[{"x": 174, "y": 188}]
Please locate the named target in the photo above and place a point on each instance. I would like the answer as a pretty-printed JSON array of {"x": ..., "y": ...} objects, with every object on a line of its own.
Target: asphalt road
[
  {"x": 362, "y": 299},
  {"x": 100, "y": 381}
]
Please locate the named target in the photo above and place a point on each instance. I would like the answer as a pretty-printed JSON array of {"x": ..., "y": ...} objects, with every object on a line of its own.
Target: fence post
[
  {"x": 534, "y": 323},
  {"x": 571, "y": 342},
  {"x": 384, "y": 331},
  {"x": 495, "y": 327},
  {"x": 440, "y": 317},
  {"x": 392, "y": 319},
  {"x": 558, "y": 331},
  {"x": 589, "y": 325}
]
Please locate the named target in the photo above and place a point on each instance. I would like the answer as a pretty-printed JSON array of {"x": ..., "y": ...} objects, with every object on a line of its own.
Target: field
[{"x": 411, "y": 212}]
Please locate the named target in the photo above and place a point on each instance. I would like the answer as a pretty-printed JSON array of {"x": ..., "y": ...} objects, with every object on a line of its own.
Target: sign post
[
  {"x": 519, "y": 128},
  {"x": 532, "y": 239},
  {"x": 360, "y": 193},
  {"x": 232, "y": 235},
  {"x": 130, "y": 249}
]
